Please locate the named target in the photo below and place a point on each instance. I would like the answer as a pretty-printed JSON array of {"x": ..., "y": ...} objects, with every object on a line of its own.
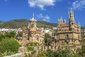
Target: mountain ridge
[{"x": 18, "y": 23}]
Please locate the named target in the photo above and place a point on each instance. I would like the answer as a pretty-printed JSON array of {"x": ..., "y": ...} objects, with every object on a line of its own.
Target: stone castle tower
[
  {"x": 68, "y": 35},
  {"x": 35, "y": 34},
  {"x": 33, "y": 24}
]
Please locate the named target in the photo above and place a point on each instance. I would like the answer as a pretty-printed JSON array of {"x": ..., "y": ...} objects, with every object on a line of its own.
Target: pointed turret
[
  {"x": 71, "y": 20},
  {"x": 61, "y": 20},
  {"x": 58, "y": 21},
  {"x": 64, "y": 21},
  {"x": 71, "y": 17},
  {"x": 33, "y": 18},
  {"x": 33, "y": 24}
]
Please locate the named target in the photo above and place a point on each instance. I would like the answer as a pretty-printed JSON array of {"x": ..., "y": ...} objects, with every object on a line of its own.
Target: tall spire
[
  {"x": 71, "y": 16},
  {"x": 33, "y": 23},
  {"x": 33, "y": 18},
  {"x": 71, "y": 13},
  {"x": 61, "y": 20}
]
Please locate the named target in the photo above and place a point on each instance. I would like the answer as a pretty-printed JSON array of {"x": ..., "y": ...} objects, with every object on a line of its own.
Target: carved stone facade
[
  {"x": 32, "y": 33},
  {"x": 68, "y": 35}
]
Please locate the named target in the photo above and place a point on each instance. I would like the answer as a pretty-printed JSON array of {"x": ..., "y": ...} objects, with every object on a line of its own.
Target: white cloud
[
  {"x": 44, "y": 17},
  {"x": 40, "y": 16},
  {"x": 78, "y": 4},
  {"x": 41, "y": 3}
]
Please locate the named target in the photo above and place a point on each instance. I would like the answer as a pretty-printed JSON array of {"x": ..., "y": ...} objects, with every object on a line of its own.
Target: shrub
[
  {"x": 30, "y": 48},
  {"x": 41, "y": 54},
  {"x": 58, "y": 53},
  {"x": 47, "y": 39},
  {"x": 9, "y": 46},
  {"x": 7, "y": 35}
]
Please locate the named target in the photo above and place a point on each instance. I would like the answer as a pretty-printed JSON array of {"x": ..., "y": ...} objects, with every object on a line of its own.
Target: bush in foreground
[
  {"x": 8, "y": 46},
  {"x": 59, "y": 53}
]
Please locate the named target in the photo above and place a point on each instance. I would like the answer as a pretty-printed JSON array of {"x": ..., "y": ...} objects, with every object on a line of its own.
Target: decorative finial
[
  {"x": 33, "y": 18},
  {"x": 71, "y": 14},
  {"x": 71, "y": 10}
]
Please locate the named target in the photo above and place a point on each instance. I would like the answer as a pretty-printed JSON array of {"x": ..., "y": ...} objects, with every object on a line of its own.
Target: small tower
[
  {"x": 33, "y": 24},
  {"x": 71, "y": 17},
  {"x": 60, "y": 20},
  {"x": 64, "y": 21}
]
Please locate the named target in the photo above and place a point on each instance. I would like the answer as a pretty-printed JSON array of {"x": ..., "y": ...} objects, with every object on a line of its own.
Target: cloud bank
[
  {"x": 78, "y": 4},
  {"x": 44, "y": 17},
  {"x": 41, "y": 3}
]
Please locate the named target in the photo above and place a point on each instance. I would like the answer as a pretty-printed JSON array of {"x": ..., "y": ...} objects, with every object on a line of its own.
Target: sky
[{"x": 46, "y": 10}]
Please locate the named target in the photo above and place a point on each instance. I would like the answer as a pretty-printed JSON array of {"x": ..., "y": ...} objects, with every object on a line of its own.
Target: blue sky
[{"x": 47, "y": 10}]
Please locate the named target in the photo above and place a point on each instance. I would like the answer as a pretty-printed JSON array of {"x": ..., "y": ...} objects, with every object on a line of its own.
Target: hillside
[{"x": 17, "y": 23}]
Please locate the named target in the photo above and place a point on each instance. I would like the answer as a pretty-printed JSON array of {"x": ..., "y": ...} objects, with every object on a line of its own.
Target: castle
[
  {"x": 67, "y": 35},
  {"x": 36, "y": 35}
]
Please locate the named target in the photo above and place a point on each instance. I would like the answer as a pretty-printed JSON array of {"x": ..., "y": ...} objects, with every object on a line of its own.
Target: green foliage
[
  {"x": 59, "y": 53},
  {"x": 33, "y": 44},
  {"x": 30, "y": 48},
  {"x": 42, "y": 54},
  {"x": 47, "y": 39},
  {"x": 20, "y": 34},
  {"x": 8, "y": 35},
  {"x": 83, "y": 44},
  {"x": 50, "y": 53},
  {"x": 83, "y": 51},
  {"x": 26, "y": 55},
  {"x": 2, "y": 37},
  {"x": 64, "y": 53},
  {"x": 9, "y": 46}
]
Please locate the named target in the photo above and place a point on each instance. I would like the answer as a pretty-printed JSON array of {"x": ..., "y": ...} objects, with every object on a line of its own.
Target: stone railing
[{"x": 15, "y": 55}]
